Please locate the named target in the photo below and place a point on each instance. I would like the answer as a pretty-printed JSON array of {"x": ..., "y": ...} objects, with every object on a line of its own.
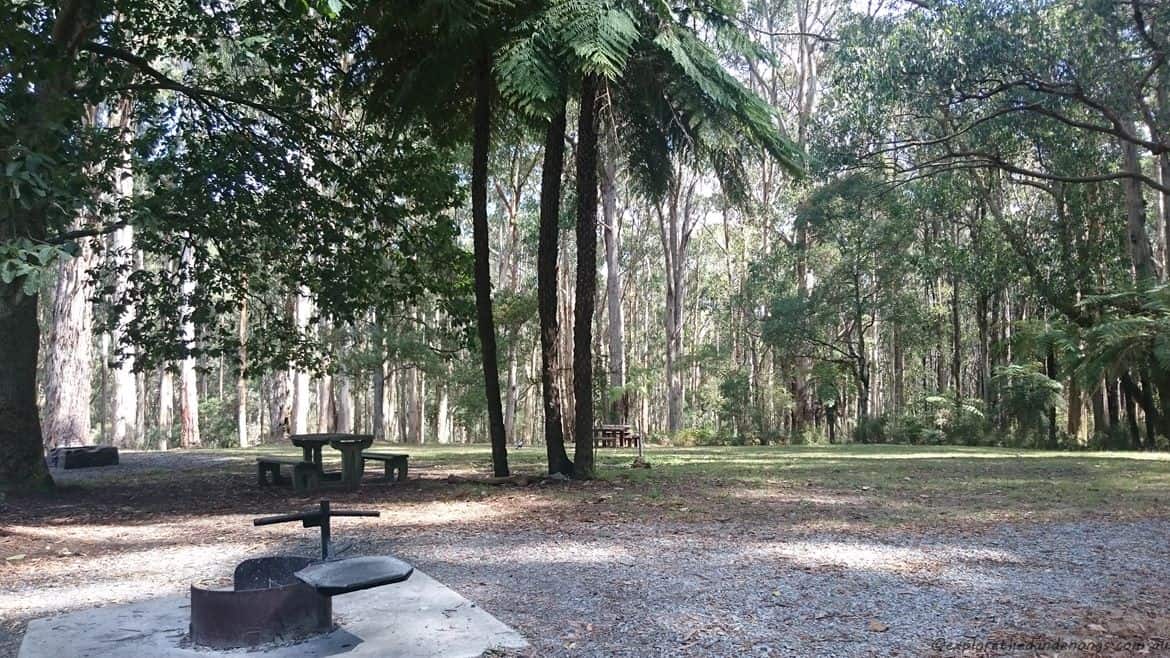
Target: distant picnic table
[
  {"x": 308, "y": 472},
  {"x": 349, "y": 445},
  {"x": 616, "y": 436}
]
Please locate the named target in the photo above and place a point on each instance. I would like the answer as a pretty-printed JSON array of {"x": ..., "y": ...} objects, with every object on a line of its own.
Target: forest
[{"x": 461, "y": 221}]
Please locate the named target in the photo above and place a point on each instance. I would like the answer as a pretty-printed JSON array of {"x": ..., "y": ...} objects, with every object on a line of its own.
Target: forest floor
[{"x": 811, "y": 551}]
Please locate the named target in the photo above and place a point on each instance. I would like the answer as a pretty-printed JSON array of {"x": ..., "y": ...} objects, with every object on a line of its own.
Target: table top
[{"x": 302, "y": 440}]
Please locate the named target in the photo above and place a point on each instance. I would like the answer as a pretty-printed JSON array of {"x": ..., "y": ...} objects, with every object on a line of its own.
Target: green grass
[
  {"x": 885, "y": 484},
  {"x": 877, "y": 486}
]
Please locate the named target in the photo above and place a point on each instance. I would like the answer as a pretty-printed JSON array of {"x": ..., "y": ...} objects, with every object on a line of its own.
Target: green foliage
[
  {"x": 913, "y": 430},
  {"x": 217, "y": 423},
  {"x": 810, "y": 436},
  {"x": 871, "y": 430},
  {"x": 1131, "y": 332},
  {"x": 27, "y": 263},
  {"x": 961, "y": 421},
  {"x": 1026, "y": 396}
]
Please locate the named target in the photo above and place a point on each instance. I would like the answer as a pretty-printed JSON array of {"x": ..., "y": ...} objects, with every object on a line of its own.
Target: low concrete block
[
  {"x": 83, "y": 457},
  {"x": 418, "y": 618}
]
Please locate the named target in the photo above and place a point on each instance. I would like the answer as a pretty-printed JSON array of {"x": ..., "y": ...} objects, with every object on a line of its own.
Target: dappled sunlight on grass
[{"x": 795, "y": 496}]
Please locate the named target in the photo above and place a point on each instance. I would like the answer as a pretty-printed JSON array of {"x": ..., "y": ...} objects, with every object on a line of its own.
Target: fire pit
[{"x": 286, "y": 598}]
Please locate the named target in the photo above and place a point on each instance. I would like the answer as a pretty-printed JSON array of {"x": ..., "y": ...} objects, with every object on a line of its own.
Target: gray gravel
[
  {"x": 696, "y": 590},
  {"x": 133, "y": 463},
  {"x": 609, "y": 587}
]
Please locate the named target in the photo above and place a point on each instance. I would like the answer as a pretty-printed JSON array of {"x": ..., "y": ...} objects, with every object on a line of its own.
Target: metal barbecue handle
[{"x": 318, "y": 518}]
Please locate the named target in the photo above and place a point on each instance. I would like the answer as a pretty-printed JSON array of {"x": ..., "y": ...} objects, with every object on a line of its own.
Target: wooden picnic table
[
  {"x": 349, "y": 445},
  {"x": 615, "y": 436}
]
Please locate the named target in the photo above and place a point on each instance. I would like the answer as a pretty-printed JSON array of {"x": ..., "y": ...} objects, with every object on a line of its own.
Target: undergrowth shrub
[{"x": 871, "y": 430}]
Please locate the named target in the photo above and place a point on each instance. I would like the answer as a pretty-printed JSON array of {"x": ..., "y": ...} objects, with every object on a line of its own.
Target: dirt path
[{"x": 581, "y": 570}]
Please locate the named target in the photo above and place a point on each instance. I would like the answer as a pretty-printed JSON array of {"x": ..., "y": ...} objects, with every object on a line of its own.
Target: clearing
[{"x": 837, "y": 550}]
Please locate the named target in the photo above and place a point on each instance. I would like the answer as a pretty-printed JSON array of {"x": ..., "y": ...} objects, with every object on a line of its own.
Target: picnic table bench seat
[
  {"x": 306, "y": 476},
  {"x": 394, "y": 464}
]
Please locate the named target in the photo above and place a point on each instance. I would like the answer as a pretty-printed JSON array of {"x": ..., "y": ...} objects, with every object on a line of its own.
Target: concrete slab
[{"x": 414, "y": 619}]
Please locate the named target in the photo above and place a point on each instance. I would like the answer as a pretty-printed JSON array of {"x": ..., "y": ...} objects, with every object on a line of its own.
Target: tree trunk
[
  {"x": 899, "y": 372},
  {"x": 1053, "y": 374},
  {"x": 69, "y": 362},
  {"x": 300, "y": 379},
  {"x": 674, "y": 229},
  {"x": 344, "y": 405},
  {"x": 166, "y": 408},
  {"x": 483, "y": 273},
  {"x": 586, "y": 289},
  {"x": 619, "y": 399},
  {"x": 547, "y": 253},
  {"x": 22, "y": 464},
  {"x": 241, "y": 380},
  {"x": 509, "y": 262},
  {"x": 1135, "y": 436},
  {"x": 280, "y": 405},
  {"x": 188, "y": 377},
  {"x": 326, "y": 415},
  {"x": 983, "y": 367},
  {"x": 512, "y": 390},
  {"x": 1138, "y": 241},
  {"x": 1100, "y": 417},
  {"x": 443, "y": 418},
  {"x": 1111, "y": 403},
  {"x": 125, "y": 430},
  {"x": 1164, "y": 209},
  {"x": 1075, "y": 406},
  {"x": 956, "y": 338},
  {"x": 411, "y": 422},
  {"x": 1151, "y": 415},
  {"x": 402, "y": 412},
  {"x": 379, "y": 413},
  {"x": 565, "y": 309}
]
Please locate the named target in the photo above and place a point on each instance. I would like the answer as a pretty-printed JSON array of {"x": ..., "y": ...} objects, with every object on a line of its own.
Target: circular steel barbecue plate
[{"x": 354, "y": 574}]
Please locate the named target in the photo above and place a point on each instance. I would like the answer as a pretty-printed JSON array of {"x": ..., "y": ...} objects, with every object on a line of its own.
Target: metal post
[{"x": 325, "y": 548}]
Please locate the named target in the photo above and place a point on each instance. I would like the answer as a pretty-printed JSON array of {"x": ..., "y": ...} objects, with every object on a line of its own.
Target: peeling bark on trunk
[
  {"x": 69, "y": 362},
  {"x": 189, "y": 436}
]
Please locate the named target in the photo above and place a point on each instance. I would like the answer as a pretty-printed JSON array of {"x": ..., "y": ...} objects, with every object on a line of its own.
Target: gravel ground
[
  {"x": 612, "y": 590},
  {"x": 132, "y": 463},
  {"x": 599, "y": 584}
]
